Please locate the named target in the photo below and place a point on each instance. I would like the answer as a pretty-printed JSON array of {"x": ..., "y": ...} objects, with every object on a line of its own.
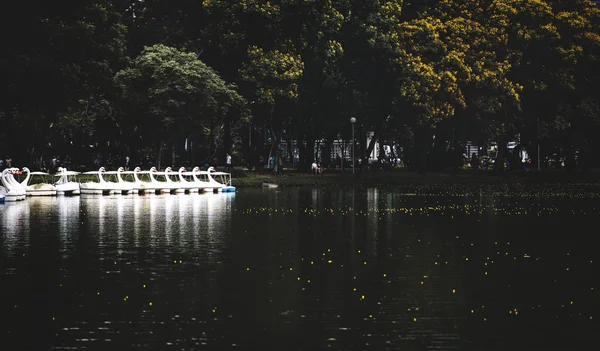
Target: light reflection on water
[
  {"x": 295, "y": 269},
  {"x": 15, "y": 226}
]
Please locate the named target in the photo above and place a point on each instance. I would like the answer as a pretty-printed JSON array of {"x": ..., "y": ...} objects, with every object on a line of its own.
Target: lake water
[{"x": 304, "y": 269}]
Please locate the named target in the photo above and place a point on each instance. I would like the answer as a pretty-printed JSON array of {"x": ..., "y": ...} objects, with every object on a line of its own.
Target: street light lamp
[{"x": 352, "y": 121}]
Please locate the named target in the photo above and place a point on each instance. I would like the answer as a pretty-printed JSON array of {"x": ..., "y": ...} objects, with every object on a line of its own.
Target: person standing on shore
[{"x": 228, "y": 161}]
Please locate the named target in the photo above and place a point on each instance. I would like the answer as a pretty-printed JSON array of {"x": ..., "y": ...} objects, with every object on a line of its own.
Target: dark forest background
[{"x": 185, "y": 81}]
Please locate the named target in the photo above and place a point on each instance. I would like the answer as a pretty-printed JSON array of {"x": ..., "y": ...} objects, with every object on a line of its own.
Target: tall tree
[
  {"x": 64, "y": 52},
  {"x": 175, "y": 94}
]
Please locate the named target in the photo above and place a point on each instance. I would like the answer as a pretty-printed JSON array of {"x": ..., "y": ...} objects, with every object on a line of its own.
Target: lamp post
[{"x": 352, "y": 121}]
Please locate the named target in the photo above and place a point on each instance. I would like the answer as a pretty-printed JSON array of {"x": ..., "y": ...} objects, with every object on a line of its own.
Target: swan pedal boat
[
  {"x": 224, "y": 183},
  {"x": 96, "y": 187},
  {"x": 38, "y": 183},
  {"x": 155, "y": 186},
  {"x": 11, "y": 190},
  {"x": 66, "y": 184},
  {"x": 158, "y": 182}
]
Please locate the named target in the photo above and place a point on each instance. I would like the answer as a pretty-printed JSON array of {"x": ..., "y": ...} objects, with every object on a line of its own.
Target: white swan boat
[
  {"x": 97, "y": 186},
  {"x": 3, "y": 189},
  {"x": 201, "y": 180},
  {"x": 14, "y": 191},
  {"x": 143, "y": 187},
  {"x": 224, "y": 180},
  {"x": 66, "y": 184},
  {"x": 38, "y": 183},
  {"x": 205, "y": 181},
  {"x": 132, "y": 185},
  {"x": 155, "y": 182},
  {"x": 153, "y": 185},
  {"x": 190, "y": 186},
  {"x": 117, "y": 185},
  {"x": 175, "y": 186}
]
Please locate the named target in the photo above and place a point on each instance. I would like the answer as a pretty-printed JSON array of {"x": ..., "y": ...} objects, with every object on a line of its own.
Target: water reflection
[
  {"x": 295, "y": 269},
  {"x": 155, "y": 220},
  {"x": 68, "y": 213},
  {"x": 15, "y": 226}
]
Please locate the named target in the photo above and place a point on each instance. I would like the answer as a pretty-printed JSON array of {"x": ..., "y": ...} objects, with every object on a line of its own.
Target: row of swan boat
[{"x": 104, "y": 182}]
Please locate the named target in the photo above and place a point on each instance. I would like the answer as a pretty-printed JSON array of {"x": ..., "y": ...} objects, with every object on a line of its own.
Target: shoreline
[{"x": 290, "y": 178}]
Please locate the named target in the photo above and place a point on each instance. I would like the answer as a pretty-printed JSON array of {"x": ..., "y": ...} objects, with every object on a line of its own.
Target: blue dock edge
[{"x": 228, "y": 189}]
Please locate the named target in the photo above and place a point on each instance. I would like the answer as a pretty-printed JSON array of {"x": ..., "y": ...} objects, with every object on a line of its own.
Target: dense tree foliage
[
  {"x": 202, "y": 78},
  {"x": 171, "y": 96}
]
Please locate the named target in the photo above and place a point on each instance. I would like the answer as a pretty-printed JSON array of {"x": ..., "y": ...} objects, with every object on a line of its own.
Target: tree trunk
[
  {"x": 381, "y": 155},
  {"x": 192, "y": 153},
  {"x": 570, "y": 157},
  {"x": 343, "y": 153},
  {"x": 227, "y": 140},
  {"x": 422, "y": 144},
  {"x": 369, "y": 150},
  {"x": 501, "y": 156},
  {"x": 275, "y": 141},
  {"x": 455, "y": 152},
  {"x": 173, "y": 155},
  {"x": 290, "y": 150},
  {"x": 305, "y": 149},
  {"x": 584, "y": 155},
  {"x": 159, "y": 154}
]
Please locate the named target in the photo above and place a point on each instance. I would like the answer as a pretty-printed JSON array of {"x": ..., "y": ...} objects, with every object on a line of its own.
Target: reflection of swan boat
[
  {"x": 66, "y": 184},
  {"x": 12, "y": 190},
  {"x": 38, "y": 184},
  {"x": 14, "y": 235}
]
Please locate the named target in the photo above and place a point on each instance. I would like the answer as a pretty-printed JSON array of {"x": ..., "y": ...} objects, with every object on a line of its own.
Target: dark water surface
[{"x": 303, "y": 269}]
